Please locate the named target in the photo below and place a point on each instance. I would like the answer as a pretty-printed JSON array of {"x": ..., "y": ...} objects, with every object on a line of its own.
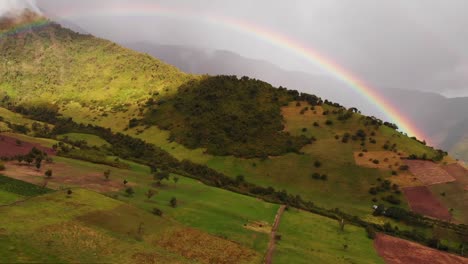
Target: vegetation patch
[{"x": 20, "y": 187}]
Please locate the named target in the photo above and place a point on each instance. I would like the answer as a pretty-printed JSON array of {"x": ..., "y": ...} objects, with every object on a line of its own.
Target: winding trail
[{"x": 271, "y": 244}]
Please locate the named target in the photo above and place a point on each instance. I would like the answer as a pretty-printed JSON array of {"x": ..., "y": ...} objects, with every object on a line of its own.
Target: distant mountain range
[{"x": 444, "y": 120}]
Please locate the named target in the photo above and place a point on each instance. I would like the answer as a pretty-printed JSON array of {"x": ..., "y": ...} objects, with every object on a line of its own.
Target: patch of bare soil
[
  {"x": 274, "y": 229},
  {"x": 386, "y": 160},
  {"x": 429, "y": 172},
  {"x": 422, "y": 201},
  {"x": 399, "y": 251},
  {"x": 258, "y": 226}
]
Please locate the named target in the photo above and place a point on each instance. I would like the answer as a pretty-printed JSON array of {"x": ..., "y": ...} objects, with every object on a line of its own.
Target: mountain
[
  {"x": 442, "y": 119},
  {"x": 103, "y": 145}
]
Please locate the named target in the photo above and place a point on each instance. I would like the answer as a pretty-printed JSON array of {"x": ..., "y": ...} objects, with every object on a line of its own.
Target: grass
[
  {"x": 83, "y": 228},
  {"x": 455, "y": 197},
  {"x": 319, "y": 240},
  {"x": 8, "y": 197},
  {"x": 92, "y": 140},
  {"x": 216, "y": 211}
]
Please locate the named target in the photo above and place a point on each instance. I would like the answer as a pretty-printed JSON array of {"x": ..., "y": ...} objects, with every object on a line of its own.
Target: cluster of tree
[
  {"x": 385, "y": 186},
  {"x": 83, "y": 152},
  {"x": 34, "y": 156},
  {"x": 229, "y": 116}
]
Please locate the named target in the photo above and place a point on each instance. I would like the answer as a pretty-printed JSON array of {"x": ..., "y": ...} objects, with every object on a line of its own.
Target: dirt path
[{"x": 274, "y": 228}]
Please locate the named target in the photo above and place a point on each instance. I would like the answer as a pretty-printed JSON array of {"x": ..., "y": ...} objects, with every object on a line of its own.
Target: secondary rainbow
[{"x": 273, "y": 38}]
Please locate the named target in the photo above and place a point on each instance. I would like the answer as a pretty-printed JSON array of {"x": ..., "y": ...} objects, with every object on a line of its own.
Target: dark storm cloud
[{"x": 417, "y": 44}]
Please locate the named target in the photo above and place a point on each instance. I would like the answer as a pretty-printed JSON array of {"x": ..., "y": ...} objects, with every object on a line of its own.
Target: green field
[
  {"x": 309, "y": 238},
  {"x": 90, "y": 228},
  {"x": 8, "y": 197},
  {"x": 92, "y": 140},
  {"x": 216, "y": 211},
  {"x": 12, "y": 190}
]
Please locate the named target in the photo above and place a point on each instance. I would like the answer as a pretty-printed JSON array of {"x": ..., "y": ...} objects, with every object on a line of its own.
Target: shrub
[
  {"x": 328, "y": 122},
  {"x": 173, "y": 202},
  {"x": 157, "y": 211},
  {"x": 403, "y": 167},
  {"x": 392, "y": 199},
  {"x": 317, "y": 164},
  {"x": 316, "y": 176},
  {"x": 129, "y": 191},
  {"x": 2, "y": 167},
  {"x": 370, "y": 232}
]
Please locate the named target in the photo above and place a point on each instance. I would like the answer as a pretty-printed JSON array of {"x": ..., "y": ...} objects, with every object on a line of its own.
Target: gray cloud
[
  {"x": 12, "y": 7},
  {"x": 417, "y": 44}
]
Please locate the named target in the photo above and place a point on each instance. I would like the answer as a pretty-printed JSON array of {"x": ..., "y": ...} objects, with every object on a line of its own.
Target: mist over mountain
[{"x": 443, "y": 119}]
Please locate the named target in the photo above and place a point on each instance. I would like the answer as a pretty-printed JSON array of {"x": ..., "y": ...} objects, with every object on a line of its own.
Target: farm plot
[
  {"x": 10, "y": 147},
  {"x": 429, "y": 172},
  {"x": 398, "y": 251},
  {"x": 423, "y": 202},
  {"x": 459, "y": 173}
]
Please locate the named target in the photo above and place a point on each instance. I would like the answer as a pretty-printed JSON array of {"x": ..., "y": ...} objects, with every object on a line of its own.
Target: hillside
[
  {"x": 443, "y": 124},
  {"x": 52, "y": 64},
  {"x": 216, "y": 156}
]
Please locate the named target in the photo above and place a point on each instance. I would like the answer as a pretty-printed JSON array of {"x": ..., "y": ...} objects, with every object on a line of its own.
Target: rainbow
[{"x": 274, "y": 38}]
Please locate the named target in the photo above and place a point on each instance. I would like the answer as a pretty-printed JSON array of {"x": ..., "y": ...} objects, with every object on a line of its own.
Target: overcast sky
[{"x": 416, "y": 44}]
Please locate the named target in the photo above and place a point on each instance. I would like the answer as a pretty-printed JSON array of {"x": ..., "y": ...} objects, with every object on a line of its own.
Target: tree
[
  {"x": 48, "y": 173},
  {"x": 240, "y": 179},
  {"x": 175, "y": 179},
  {"x": 69, "y": 193},
  {"x": 107, "y": 174},
  {"x": 150, "y": 193},
  {"x": 129, "y": 191},
  {"x": 317, "y": 164},
  {"x": 173, "y": 202},
  {"x": 162, "y": 175},
  {"x": 342, "y": 224},
  {"x": 38, "y": 165},
  {"x": 370, "y": 232},
  {"x": 125, "y": 182}
]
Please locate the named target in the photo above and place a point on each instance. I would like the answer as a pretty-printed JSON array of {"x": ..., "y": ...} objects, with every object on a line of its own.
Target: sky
[{"x": 417, "y": 44}]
